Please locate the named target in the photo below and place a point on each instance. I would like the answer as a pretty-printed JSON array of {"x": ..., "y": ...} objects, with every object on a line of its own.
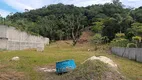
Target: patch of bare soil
[
  {"x": 2, "y": 66},
  {"x": 48, "y": 68},
  {"x": 85, "y": 37},
  {"x": 12, "y": 76}
]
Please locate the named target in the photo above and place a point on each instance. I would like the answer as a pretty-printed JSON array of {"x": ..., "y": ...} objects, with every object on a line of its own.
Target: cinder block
[
  {"x": 132, "y": 53},
  {"x": 139, "y": 55}
]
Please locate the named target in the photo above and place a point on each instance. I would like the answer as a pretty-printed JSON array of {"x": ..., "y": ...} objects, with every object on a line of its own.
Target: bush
[
  {"x": 97, "y": 39},
  {"x": 105, "y": 39},
  {"x": 98, "y": 27},
  {"x": 137, "y": 39},
  {"x": 131, "y": 45},
  {"x": 130, "y": 33},
  {"x": 120, "y": 35},
  {"x": 121, "y": 42}
]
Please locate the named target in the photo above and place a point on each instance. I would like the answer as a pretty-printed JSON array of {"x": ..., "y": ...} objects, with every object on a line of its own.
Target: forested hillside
[{"x": 61, "y": 22}]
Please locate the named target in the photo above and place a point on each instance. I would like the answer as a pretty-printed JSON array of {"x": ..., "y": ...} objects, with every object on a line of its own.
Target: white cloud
[
  {"x": 21, "y": 5},
  {"x": 4, "y": 13},
  {"x": 90, "y": 2},
  {"x": 133, "y": 0},
  {"x": 132, "y": 3},
  {"x": 18, "y": 4}
]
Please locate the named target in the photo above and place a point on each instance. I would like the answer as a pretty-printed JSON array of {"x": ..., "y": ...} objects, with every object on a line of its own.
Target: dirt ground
[
  {"x": 85, "y": 37},
  {"x": 12, "y": 76}
]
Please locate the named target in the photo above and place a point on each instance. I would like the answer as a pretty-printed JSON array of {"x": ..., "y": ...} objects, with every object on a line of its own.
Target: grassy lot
[{"x": 25, "y": 68}]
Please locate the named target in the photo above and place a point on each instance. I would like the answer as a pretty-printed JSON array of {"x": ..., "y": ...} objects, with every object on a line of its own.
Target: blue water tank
[{"x": 65, "y": 66}]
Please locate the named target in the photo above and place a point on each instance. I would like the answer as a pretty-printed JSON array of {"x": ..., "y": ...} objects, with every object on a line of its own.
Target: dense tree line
[{"x": 61, "y": 22}]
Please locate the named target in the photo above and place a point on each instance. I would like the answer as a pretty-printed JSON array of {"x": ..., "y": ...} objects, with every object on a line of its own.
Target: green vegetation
[
  {"x": 120, "y": 35},
  {"x": 131, "y": 45},
  {"x": 97, "y": 39},
  {"x": 137, "y": 39},
  {"x": 110, "y": 22},
  {"x": 30, "y": 60},
  {"x": 64, "y": 22},
  {"x": 119, "y": 40}
]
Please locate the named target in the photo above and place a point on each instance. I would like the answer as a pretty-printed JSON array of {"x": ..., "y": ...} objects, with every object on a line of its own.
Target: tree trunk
[
  {"x": 74, "y": 42},
  {"x": 74, "y": 38}
]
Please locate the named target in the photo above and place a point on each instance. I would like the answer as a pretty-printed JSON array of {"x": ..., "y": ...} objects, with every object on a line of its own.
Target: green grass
[{"x": 30, "y": 59}]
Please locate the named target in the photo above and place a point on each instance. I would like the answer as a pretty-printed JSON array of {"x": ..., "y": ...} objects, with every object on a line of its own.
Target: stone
[{"x": 15, "y": 58}]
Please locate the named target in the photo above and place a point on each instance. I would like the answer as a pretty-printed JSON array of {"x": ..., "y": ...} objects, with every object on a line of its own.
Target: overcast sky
[{"x": 8, "y": 6}]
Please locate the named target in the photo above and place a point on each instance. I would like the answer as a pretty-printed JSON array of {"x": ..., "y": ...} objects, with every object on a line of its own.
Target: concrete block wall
[
  {"x": 3, "y": 31},
  {"x": 15, "y": 45},
  {"x": 3, "y": 44},
  {"x": 19, "y": 40},
  {"x": 130, "y": 53}
]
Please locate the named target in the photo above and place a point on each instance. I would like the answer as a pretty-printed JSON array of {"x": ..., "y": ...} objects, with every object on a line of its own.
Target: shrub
[
  {"x": 105, "y": 39},
  {"x": 98, "y": 27},
  {"x": 130, "y": 33},
  {"x": 120, "y": 35},
  {"x": 132, "y": 45},
  {"x": 97, "y": 39},
  {"x": 137, "y": 39},
  {"x": 121, "y": 42}
]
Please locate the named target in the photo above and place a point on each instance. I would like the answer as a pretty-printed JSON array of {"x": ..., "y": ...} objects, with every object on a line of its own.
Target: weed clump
[{"x": 90, "y": 70}]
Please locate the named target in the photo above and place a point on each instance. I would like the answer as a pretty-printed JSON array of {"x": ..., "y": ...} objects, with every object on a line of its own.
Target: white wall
[
  {"x": 3, "y": 30},
  {"x": 3, "y": 44},
  {"x": 13, "y": 34},
  {"x": 18, "y": 40}
]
